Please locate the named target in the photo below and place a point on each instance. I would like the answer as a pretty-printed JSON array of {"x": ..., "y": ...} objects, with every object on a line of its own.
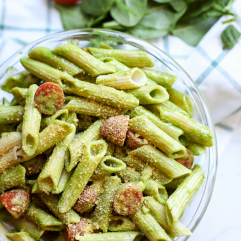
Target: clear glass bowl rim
[{"x": 153, "y": 50}]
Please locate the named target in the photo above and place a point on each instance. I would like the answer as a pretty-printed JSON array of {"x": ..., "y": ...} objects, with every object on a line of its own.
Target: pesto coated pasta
[{"x": 101, "y": 140}]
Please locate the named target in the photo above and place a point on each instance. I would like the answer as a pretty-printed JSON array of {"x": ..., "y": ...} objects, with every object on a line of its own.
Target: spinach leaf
[
  {"x": 211, "y": 13},
  {"x": 192, "y": 31},
  {"x": 98, "y": 20},
  {"x": 162, "y": 18},
  {"x": 113, "y": 25},
  {"x": 96, "y": 7},
  {"x": 147, "y": 33},
  {"x": 230, "y": 37},
  {"x": 223, "y": 5},
  {"x": 197, "y": 8},
  {"x": 126, "y": 18},
  {"x": 72, "y": 17},
  {"x": 157, "y": 23},
  {"x": 178, "y": 5}
]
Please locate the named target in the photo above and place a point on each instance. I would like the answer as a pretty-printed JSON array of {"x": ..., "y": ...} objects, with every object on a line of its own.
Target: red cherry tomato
[
  {"x": 67, "y": 1},
  {"x": 49, "y": 98},
  {"x": 16, "y": 201}
]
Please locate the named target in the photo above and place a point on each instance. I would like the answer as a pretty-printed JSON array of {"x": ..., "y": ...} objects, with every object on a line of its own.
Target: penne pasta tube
[
  {"x": 102, "y": 213},
  {"x": 194, "y": 131},
  {"x": 139, "y": 165},
  {"x": 3, "y": 232},
  {"x": 93, "y": 108},
  {"x": 196, "y": 149},
  {"x": 164, "y": 164},
  {"x": 131, "y": 79},
  {"x": 104, "y": 94},
  {"x": 21, "y": 236},
  {"x": 60, "y": 115},
  {"x": 23, "y": 225},
  {"x": 45, "y": 55},
  {"x": 175, "y": 183},
  {"x": 12, "y": 178},
  {"x": 121, "y": 224},
  {"x": 156, "y": 190},
  {"x": 73, "y": 119},
  {"x": 151, "y": 93},
  {"x": 174, "y": 107},
  {"x": 76, "y": 148},
  {"x": 111, "y": 236},
  {"x": 118, "y": 66},
  {"x": 107, "y": 166},
  {"x": 82, "y": 59},
  {"x": 20, "y": 94},
  {"x": 5, "y": 102},
  {"x": 158, "y": 212},
  {"x": 171, "y": 130},
  {"x": 31, "y": 123},
  {"x": 84, "y": 76},
  {"x": 143, "y": 126},
  {"x": 9, "y": 142},
  {"x": 50, "y": 175},
  {"x": 94, "y": 152},
  {"x": 43, "y": 71},
  {"x": 51, "y": 201},
  {"x": 149, "y": 226},
  {"x": 128, "y": 175},
  {"x": 181, "y": 100},
  {"x": 131, "y": 58},
  {"x": 10, "y": 159},
  {"x": 177, "y": 202},
  {"x": 63, "y": 181},
  {"x": 21, "y": 80},
  {"x": 50, "y": 136},
  {"x": 43, "y": 219},
  {"x": 107, "y": 95},
  {"x": 11, "y": 114},
  {"x": 163, "y": 79}
]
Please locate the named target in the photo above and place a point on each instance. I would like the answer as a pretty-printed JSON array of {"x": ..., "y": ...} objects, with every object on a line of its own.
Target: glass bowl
[{"x": 84, "y": 37}]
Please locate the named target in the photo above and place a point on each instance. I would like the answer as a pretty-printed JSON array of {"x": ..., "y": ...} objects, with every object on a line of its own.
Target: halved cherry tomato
[
  {"x": 16, "y": 201},
  {"x": 49, "y": 98}
]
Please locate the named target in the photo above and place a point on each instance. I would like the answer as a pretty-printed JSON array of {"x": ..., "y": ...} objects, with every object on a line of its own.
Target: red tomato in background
[{"x": 67, "y": 1}]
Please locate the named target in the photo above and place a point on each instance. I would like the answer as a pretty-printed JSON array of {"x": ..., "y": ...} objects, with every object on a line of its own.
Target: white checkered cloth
[{"x": 217, "y": 72}]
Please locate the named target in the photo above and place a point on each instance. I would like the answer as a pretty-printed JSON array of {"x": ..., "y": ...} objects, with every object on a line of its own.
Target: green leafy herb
[
  {"x": 98, "y": 20},
  {"x": 192, "y": 31},
  {"x": 122, "y": 5},
  {"x": 96, "y": 7},
  {"x": 125, "y": 18},
  {"x": 223, "y": 5},
  {"x": 187, "y": 19},
  {"x": 72, "y": 17},
  {"x": 178, "y": 5},
  {"x": 157, "y": 23},
  {"x": 197, "y": 8},
  {"x": 230, "y": 37}
]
